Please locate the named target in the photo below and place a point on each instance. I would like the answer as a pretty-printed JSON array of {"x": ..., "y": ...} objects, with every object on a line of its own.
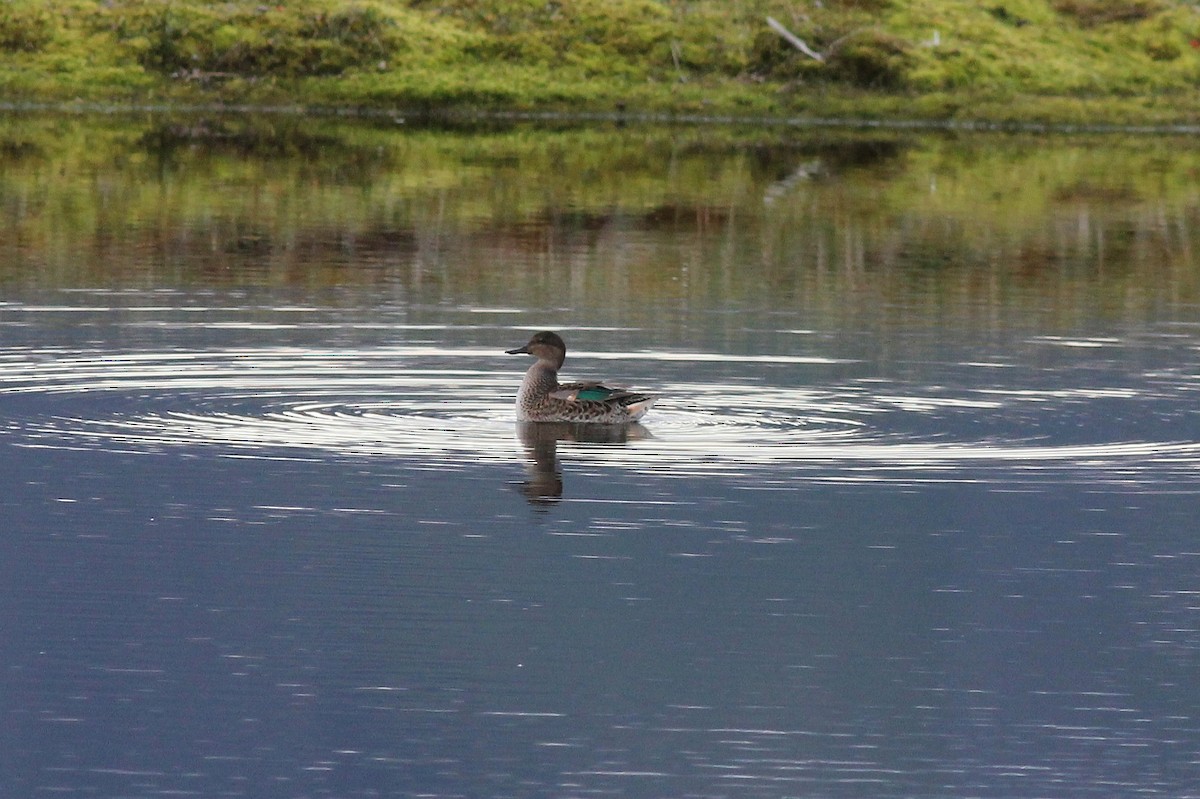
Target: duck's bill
[{"x": 518, "y": 351}]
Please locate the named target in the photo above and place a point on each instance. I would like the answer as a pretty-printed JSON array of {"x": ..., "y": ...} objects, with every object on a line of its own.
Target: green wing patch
[{"x": 595, "y": 393}]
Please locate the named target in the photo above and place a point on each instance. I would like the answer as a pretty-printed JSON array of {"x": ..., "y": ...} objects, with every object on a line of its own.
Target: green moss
[
  {"x": 25, "y": 27},
  {"x": 1091, "y": 13},
  {"x": 872, "y": 59},
  {"x": 304, "y": 39},
  {"x": 1104, "y": 59}
]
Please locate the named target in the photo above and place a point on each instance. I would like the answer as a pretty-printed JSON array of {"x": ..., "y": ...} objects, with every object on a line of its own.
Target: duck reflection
[{"x": 544, "y": 485}]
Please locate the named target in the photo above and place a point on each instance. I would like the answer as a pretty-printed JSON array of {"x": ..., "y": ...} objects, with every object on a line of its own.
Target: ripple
[{"x": 453, "y": 407}]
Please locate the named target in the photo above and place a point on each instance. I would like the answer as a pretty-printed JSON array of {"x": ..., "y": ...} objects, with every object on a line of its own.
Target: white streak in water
[{"x": 442, "y": 407}]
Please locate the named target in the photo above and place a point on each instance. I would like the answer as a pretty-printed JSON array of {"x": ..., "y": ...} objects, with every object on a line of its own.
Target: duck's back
[{"x": 543, "y": 399}]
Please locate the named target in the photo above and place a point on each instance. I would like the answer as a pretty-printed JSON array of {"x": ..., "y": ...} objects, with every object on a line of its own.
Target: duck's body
[{"x": 543, "y": 399}]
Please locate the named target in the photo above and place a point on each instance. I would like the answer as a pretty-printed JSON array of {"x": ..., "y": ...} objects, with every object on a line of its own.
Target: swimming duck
[{"x": 543, "y": 399}]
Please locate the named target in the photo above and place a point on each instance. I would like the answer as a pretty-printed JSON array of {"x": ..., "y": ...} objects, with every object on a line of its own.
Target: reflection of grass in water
[{"x": 615, "y": 222}]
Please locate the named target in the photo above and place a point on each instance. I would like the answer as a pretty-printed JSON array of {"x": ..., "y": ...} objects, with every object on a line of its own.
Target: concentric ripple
[{"x": 451, "y": 407}]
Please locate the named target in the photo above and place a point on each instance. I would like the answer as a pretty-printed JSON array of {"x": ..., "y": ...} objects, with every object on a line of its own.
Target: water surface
[{"x": 912, "y": 517}]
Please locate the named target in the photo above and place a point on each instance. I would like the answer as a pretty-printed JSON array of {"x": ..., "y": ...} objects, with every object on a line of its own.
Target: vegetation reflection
[{"x": 637, "y": 219}]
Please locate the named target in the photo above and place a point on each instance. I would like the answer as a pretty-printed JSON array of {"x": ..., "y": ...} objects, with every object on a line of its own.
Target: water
[{"x": 914, "y": 515}]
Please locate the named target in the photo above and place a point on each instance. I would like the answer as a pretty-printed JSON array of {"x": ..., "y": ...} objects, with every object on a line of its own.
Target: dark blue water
[
  {"x": 253, "y": 564},
  {"x": 182, "y": 623},
  {"x": 914, "y": 515}
]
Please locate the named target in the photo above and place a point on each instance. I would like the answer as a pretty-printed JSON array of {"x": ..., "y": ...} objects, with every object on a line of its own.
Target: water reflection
[
  {"x": 544, "y": 483},
  {"x": 760, "y": 418},
  {"x": 916, "y": 517},
  {"x": 832, "y": 229}
]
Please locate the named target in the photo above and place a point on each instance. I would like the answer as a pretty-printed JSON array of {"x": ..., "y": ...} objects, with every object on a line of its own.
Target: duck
[{"x": 543, "y": 399}]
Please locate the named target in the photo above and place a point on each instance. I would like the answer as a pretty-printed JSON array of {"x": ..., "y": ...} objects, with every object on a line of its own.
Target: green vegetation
[{"x": 1072, "y": 61}]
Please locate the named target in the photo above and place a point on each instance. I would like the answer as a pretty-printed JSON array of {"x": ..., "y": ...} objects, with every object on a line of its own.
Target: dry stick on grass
[
  {"x": 794, "y": 40},
  {"x": 676, "y": 56},
  {"x": 800, "y": 44}
]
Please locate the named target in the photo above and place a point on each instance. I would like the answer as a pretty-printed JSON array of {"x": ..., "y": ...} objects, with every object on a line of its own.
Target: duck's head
[{"x": 545, "y": 346}]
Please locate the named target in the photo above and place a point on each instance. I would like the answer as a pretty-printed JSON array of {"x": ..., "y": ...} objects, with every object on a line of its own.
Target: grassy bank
[{"x": 1056, "y": 61}]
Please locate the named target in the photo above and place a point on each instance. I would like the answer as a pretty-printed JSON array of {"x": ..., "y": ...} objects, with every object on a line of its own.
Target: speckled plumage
[{"x": 543, "y": 399}]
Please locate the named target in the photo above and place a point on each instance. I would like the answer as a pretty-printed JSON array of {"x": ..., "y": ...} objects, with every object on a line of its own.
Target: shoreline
[{"x": 457, "y": 116}]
